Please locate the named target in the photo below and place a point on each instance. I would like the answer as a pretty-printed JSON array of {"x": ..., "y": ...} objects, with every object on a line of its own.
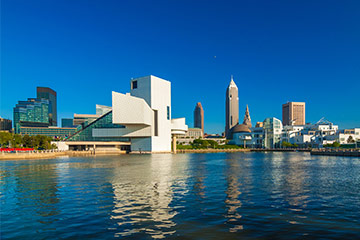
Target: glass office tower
[
  {"x": 34, "y": 112},
  {"x": 49, "y": 94}
]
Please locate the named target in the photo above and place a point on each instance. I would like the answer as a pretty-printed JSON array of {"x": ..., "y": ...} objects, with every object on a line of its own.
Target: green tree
[
  {"x": 286, "y": 144},
  {"x": 5, "y": 138},
  {"x": 27, "y": 141},
  {"x": 16, "y": 140},
  {"x": 336, "y": 144}
]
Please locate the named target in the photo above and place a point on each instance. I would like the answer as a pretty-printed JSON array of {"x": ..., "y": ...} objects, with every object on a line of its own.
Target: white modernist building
[{"x": 146, "y": 114}]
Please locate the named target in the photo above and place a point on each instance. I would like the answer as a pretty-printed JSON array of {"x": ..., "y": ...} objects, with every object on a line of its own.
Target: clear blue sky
[{"x": 278, "y": 51}]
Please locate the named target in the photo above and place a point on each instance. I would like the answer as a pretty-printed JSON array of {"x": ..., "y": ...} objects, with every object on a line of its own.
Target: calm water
[{"x": 184, "y": 196}]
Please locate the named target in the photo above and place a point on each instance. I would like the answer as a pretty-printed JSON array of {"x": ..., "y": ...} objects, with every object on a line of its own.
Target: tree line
[{"x": 38, "y": 142}]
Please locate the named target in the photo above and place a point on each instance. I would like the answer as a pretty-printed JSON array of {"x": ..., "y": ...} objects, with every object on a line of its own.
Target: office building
[
  {"x": 232, "y": 108},
  {"x": 50, "y": 95},
  {"x": 293, "y": 113},
  {"x": 140, "y": 120},
  {"x": 67, "y": 122},
  {"x": 31, "y": 113},
  {"x": 5, "y": 124},
  {"x": 199, "y": 117}
]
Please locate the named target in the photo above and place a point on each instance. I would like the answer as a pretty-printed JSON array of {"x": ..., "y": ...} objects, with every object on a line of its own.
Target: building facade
[
  {"x": 199, "y": 117},
  {"x": 5, "y": 124},
  {"x": 51, "y": 131},
  {"x": 31, "y": 113},
  {"x": 272, "y": 132},
  {"x": 84, "y": 119},
  {"x": 232, "y": 108},
  {"x": 140, "y": 121},
  {"x": 293, "y": 113},
  {"x": 67, "y": 122},
  {"x": 50, "y": 95}
]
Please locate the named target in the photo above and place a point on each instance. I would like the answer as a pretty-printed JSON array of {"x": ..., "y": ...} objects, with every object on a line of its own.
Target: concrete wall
[{"x": 130, "y": 110}]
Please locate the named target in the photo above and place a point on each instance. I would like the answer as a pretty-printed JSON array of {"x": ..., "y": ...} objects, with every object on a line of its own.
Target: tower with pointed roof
[
  {"x": 232, "y": 108},
  {"x": 247, "y": 119}
]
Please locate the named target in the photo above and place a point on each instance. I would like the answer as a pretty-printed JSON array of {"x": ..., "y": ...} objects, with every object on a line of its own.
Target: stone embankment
[
  {"x": 210, "y": 150},
  {"x": 337, "y": 152},
  {"x": 41, "y": 154}
]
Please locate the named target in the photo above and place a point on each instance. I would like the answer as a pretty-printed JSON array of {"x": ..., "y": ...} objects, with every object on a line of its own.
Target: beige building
[
  {"x": 232, "y": 108},
  {"x": 293, "y": 113}
]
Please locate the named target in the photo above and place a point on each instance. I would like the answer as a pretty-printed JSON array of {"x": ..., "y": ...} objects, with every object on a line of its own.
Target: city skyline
[{"x": 273, "y": 60}]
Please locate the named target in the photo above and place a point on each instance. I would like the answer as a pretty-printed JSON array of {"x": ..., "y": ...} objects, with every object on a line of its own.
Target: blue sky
[{"x": 277, "y": 51}]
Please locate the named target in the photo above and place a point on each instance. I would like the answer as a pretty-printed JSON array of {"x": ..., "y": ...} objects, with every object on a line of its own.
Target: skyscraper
[
  {"x": 232, "y": 108},
  {"x": 199, "y": 117},
  {"x": 34, "y": 112},
  {"x": 49, "y": 94},
  {"x": 293, "y": 113}
]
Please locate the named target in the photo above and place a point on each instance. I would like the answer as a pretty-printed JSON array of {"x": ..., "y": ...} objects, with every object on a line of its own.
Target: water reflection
[
  {"x": 184, "y": 196},
  {"x": 232, "y": 201},
  {"x": 36, "y": 184},
  {"x": 142, "y": 202}
]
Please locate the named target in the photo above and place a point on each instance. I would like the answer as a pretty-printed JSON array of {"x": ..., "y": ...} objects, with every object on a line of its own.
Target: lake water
[{"x": 183, "y": 196}]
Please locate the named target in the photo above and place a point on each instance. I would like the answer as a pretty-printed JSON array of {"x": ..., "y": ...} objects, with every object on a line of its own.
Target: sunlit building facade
[
  {"x": 50, "y": 95},
  {"x": 31, "y": 113}
]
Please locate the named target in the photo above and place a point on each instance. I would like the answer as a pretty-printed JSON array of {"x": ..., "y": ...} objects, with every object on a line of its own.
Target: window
[
  {"x": 134, "y": 85},
  {"x": 168, "y": 112},
  {"x": 156, "y": 129}
]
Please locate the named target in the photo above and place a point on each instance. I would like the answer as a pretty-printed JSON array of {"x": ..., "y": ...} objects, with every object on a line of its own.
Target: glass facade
[
  {"x": 272, "y": 132},
  {"x": 50, "y": 95},
  {"x": 34, "y": 110},
  {"x": 53, "y": 132},
  {"x": 105, "y": 121},
  {"x": 67, "y": 122}
]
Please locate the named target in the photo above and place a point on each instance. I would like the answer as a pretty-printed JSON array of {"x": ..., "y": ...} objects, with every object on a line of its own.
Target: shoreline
[{"x": 45, "y": 154}]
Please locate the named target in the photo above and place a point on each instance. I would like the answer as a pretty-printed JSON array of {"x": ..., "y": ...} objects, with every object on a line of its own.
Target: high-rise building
[
  {"x": 293, "y": 113},
  {"x": 232, "y": 108},
  {"x": 5, "y": 124},
  {"x": 49, "y": 94},
  {"x": 199, "y": 117},
  {"x": 31, "y": 113}
]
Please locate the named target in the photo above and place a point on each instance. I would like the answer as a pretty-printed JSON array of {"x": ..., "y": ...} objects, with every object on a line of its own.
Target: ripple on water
[{"x": 194, "y": 196}]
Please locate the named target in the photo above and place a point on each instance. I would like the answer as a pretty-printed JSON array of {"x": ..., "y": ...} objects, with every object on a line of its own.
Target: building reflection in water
[
  {"x": 199, "y": 172},
  {"x": 294, "y": 182},
  {"x": 288, "y": 174},
  {"x": 36, "y": 184},
  {"x": 143, "y": 196},
  {"x": 232, "y": 201}
]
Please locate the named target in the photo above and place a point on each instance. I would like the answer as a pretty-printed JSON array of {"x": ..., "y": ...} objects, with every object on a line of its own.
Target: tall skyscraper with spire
[
  {"x": 232, "y": 108},
  {"x": 199, "y": 117}
]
